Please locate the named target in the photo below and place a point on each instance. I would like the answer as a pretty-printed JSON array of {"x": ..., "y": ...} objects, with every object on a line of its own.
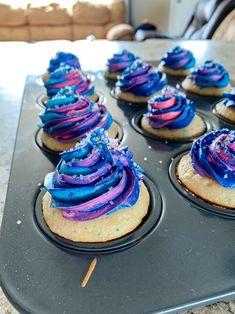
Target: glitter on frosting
[
  {"x": 65, "y": 58},
  {"x": 67, "y": 76},
  {"x": 229, "y": 99},
  {"x": 172, "y": 110},
  {"x": 141, "y": 79},
  {"x": 213, "y": 156},
  {"x": 210, "y": 74},
  {"x": 120, "y": 61},
  {"x": 94, "y": 179},
  {"x": 178, "y": 59},
  {"x": 69, "y": 116}
]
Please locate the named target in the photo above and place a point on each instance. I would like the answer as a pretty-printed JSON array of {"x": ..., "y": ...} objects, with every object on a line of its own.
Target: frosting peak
[
  {"x": 210, "y": 74},
  {"x": 63, "y": 58},
  {"x": 94, "y": 179},
  {"x": 179, "y": 59},
  {"x": 213, "y": 156},
  {"x": 141, "y": 79},
  {"x": 120, "y": 61},
  {"x": 172, "y": 110},
  {"x": 69, "y": 116}
]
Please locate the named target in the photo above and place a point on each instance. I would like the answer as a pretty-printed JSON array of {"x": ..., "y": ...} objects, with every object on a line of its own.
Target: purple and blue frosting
[
  {"x": 120, "y": 61},
  {"x": 172, "y": 110},
  {"x": 213, "y": 156},
  {"x": 141, "y": 79},
  {"x": 67, "y": 76},
  {"x": 69, "y": 116},
  {"x": 229, "y": 99},
  {"x": 65, "y": 58},
  {"x": 94, "y": 179},
  {"x": 210, "y": 74},
  {"x": 179, "y": 59}
]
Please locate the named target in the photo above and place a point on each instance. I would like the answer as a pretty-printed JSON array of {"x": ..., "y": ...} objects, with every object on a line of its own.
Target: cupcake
[
  {"x": 172, "y": 116},
  {"x": 118, "y": 63},
  {"x": 208, "y": 171},
  {"x": 211, "y": 79},
  {"x": 140, "y": 82},
  {"x": 68, "y": 117},
  {"x": 67, "y": 76},
  {"x": 226, "y": 108},
  {"x": 96, "y": 193},
  {"x": 177, "y": 62},
  {"x": 65, "y": 58}
]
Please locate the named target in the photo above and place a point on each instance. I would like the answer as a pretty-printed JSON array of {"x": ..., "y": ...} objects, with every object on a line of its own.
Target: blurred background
[{"x": 35, "y": 20}]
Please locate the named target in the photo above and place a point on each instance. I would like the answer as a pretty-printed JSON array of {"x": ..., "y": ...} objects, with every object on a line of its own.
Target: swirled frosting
[
  {"x": 120, "y": 61},
  {"x": 68, "y": 76},
  {"x": 69, "y": 117},
  {"x": 172, "y": 110},
  {"x": 213, "y": 156},
  {"x": 65, "y": 58},
  {"x": 229, "y": 99},
  {"x": 94, "y": 179},
  {"x": 179, "y": 59},
  {"x": 210, "y": 74},
  {"x": 141, "y": 79}
]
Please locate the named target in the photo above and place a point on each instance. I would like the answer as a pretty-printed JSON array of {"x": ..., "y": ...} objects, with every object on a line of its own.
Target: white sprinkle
[
  {"x": 111, "y": 202},
  {"x": 145, "y": 158},
  {"x": 160, "y": 161},
  {"x": 226, "y": 176},
  {"x": 166, "y": 142},
  {"x": 150, "y": 147},
  {"x": 18, "y": 222}
]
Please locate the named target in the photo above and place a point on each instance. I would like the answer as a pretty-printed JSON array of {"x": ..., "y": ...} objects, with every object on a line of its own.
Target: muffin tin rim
[{"x": 148, "y": 225}]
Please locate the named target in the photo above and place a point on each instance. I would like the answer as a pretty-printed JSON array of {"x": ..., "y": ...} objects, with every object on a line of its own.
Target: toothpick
[{"x": 89, "y": 272}]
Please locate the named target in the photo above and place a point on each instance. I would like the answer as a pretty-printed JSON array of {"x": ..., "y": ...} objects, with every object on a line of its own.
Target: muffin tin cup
[
  {"x": 136, "y": 124},
  {"x": 89, "y": 74},
  {"x": 125, "y": 102},
  {"x": 147, "y": 226},
  {"x": 48, "y": 151},
  {"x": 42, "y": 98},
  {"x": 190, "y": 196}
]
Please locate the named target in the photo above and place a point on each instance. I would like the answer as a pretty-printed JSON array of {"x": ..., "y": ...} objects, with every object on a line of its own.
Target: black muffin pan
[{"x": 181, "y": 256}]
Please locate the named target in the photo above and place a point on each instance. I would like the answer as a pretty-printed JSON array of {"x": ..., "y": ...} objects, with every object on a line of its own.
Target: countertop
[{"x": 20, "y": 59}]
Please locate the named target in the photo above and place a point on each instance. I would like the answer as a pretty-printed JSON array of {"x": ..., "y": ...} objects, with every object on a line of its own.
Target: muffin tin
[{"x": 180, "y": 257}]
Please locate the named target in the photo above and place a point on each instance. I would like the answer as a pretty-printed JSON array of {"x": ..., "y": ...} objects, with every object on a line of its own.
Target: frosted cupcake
[
  {"x": 118, "y": 63},
  {"x": 68, "y": 117},
  {"x": 211, "y": 79},
  {"x": 140, "y": 82},
  {"x": 67, "y": 76},
  {"x": 61, "y": 58},
  {"x": 177, "y": 62},
  {"x": 226, "y": 108},
  {"x": 96, "y": 193},
  {"x": 208, "y": 171},
  {"x": 172, "y": 116}
]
